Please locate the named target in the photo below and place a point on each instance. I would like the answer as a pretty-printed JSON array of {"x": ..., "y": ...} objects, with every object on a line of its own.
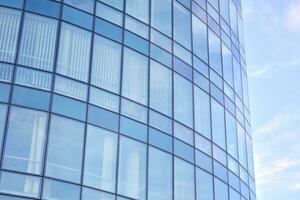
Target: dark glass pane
[
  {"x": 30, "y": 98},
  {"x": 77, "y": 17},
  {"x": 103, "y": 118},
  {"x": 108, "y": 30},
  {"x": 136, "y": 42},
  {"x": 160, "y": 140},
  {"x": 68, "y": 107},
  {"x": 4, "y": 94},
  {"x": 44, "y": 7},
  {"x": 133, "y": 129}
]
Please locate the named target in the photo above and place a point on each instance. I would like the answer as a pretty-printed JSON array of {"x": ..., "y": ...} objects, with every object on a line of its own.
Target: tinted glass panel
[{"x": 25, "y": 140}]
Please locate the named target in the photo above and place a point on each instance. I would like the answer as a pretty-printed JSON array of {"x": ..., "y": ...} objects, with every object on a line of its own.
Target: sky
[{"x": 272, "y": 36}]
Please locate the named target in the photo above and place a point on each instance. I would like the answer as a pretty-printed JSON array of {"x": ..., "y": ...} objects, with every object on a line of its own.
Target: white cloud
[
  {"x": 277, "y": 152},
  {"x": 293, "y": 16}
]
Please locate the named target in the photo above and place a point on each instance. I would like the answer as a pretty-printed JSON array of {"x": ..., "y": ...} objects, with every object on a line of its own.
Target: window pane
[
  {"x": 227, "y": 65},
  {"x": 237, "y": 78},
  {"x": 3, "y": 112},
  {"x": 74, "y": 42},
  {"x": 110, "y": 14},
  {"x": 138, "y": 9},
  {"x": 106, "y": 64},
  {"x": 242, "y": 145},
  {"x": 214, "y": 52},
  {"x": 90, "y": 194},
  {"x": 33, "y": 78},
  {"x": 38, "y": 42},
  {"x": 86, "y": 5},
  {"x": 218, "y": 124},
  {"x": 182, "y": 25},
  {"x": 65, "y": 141},
  {"x": 183, "y": 180},
  {"x": 202, "y": 112},
  {"x": 134, "y": 110},
  {"x": 71, "y": 88},
  {"x": 204, "y": 185},
  {"x": 161, "y": 16},
  {"x": 160, "y": 88},
  {"x": 9, "y": 28},
  {"x": 17, "y": 184},
  {"x": 183, "y": 100},
  {"x": 199, "y": 38},
  {"x": 6, "y": 71},
  {"x": 221, "y": 190},
  {"x": 114, "y": 3},
  {"x": 104, "y": 99},
  {"x": 159, "y": 178},
  {"x": 231, "y": 136},
  {"x": 135, "y": 76},
  {"x": 25, "y": 140},
  {"x": 132, "y": 169},
  {"x": 100, "y": 159},
  {"x": 53, "y": 190}
]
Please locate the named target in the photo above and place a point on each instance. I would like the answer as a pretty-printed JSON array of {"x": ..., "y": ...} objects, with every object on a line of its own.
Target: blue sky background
[{"x": 272, "y": 33}]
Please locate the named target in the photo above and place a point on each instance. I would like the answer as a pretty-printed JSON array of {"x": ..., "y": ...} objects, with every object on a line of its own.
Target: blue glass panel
[
  {"x": 161, "y": 55},
  {"x": 220, "y": 171},
  {"x": 4, "y": 94},
  {"x": 103, "y": 118},
  {"x": 233, "y": 181},
  {"x": 45, "y": 7},
  {"x": 183, "y": 150},
  {"x": 77, "y": 17},
  {"x": 201, "y": 81},
  {"x": 136, "y": 42},
  {"x": 186, "y": 3},
  {"x": 108, "y": 30},
  {"x": 12, "y": 3},
  {"x": 183, "y": 69},
  {"x": 133, "y": 129},
  {"x": 200, "y": 66},
  {"x": 160, "y": 140},
  {"x": 30, "y": 98},
  {"x": 68, "y": 107},
  {"x": 203, "y": 161}
]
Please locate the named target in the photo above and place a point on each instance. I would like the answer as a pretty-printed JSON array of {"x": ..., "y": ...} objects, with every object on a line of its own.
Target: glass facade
[{"x": 124, "y": 100}]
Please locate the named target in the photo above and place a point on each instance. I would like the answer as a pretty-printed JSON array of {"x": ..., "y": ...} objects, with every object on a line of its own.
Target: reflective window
[
  {"x": 19, "y": 184},
  {"x": 227, "y": 65},
  {"x": 68, "y": 107},
  {"x": 106, "y": 65},
  {"x": 204, "y": 185},
  {"x": 214, "y": 52},
  {"x": 71, "y": 88},
  {"x": 202, "y": 112},
  {"x": 250, "y": 156},
  {"x": 108, "y": 30},
  {"x": 182, "y": 25},
  {"x": 136, "y": 27},
  {"x": 160, "y": 88},
  {"x": 3, "y": 112},
  {"x": 132, "y": 169},
  {"x": 6, "y": 72},
  {"x": 44, "y": 7},
  {"x": 134, "y": 110},
  {"x": 135, "y": 76},
  {"x": 65, "y": 141},
  {"x": 86, "y": 5},
  {"x": 5, "y": 92},
  {"x": 90, "y": 194},
  {"x": 103, "y": 118},
  {"x": 183, "y": 100},
  {"x": 160, "y": 140},
  {"x": 38, "y": 42},
  {"x": 138, "y": 9},
  {"x": 110, "y": 14},
  {"x": 199, "y": 38},
  {"x": 25, "y": 140},
  {"x": 218, "y": 123},
  {"x": 73, "y": 42},
  {"x": 139, "y": 44},
  {"x": 224, "y": 9},
  {"x": 242, "y": 145},
  {"x": 237, "y": 78},
  {"x": 100, "y": 159},
  {"x": 221, "y": 190},
  {"x": 9, "y": 29},
  {"x": 161, "y": 16},
  {"x": 159, "y": 178},
  {"x": 53, "y": 189},
  {"x": 114, "y": 3},
  {"x": 133, "y": 129},
  {"x": 231, "y": 135},
  {"x": 33, "y": 78},
  {"x": 184, "y": 185},
  {"x": 30, "y": 98},
  {"x": 104, "y": 99}
]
